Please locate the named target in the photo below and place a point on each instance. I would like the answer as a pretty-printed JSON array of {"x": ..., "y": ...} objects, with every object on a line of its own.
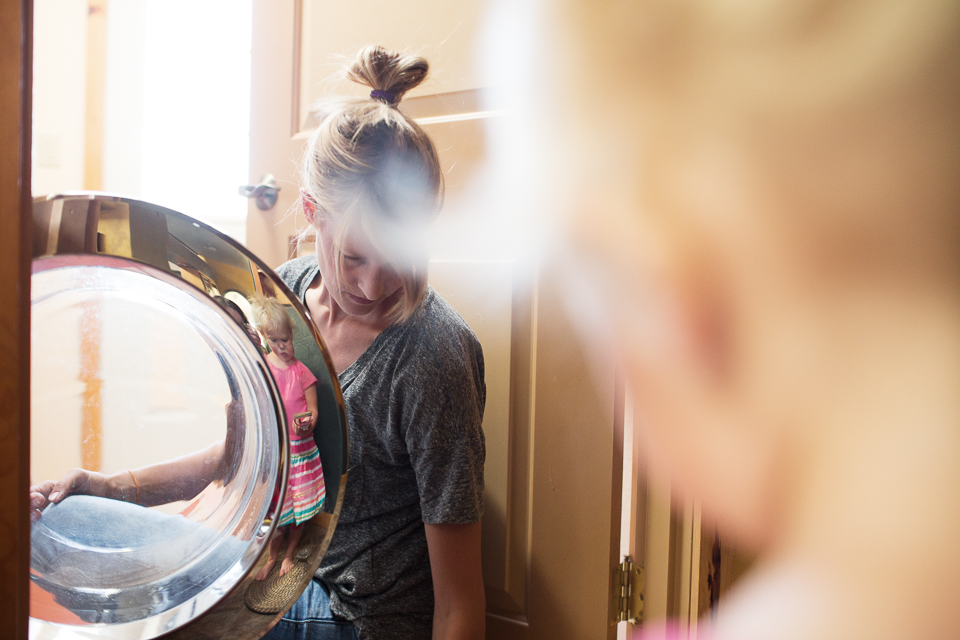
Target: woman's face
[{"x": 366, "y": 283}]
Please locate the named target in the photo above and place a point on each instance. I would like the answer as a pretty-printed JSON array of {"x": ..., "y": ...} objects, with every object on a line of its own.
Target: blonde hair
[
  {"x": 270, "y": 317},
  {"x": 373, "y": 166},
  {"x": 841, "y": 109}
]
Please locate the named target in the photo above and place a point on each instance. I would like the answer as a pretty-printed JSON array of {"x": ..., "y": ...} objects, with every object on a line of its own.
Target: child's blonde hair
[
  {"x": 270, "y": 317},
  {"x": 371, "y": 165}
]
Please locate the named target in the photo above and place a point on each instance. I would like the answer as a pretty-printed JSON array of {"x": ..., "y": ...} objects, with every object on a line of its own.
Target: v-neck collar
[{"x": 348, "y": 375}]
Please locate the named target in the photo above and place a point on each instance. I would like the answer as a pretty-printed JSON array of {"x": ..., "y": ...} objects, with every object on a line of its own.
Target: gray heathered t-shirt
[{"x": 414, "y": 404}]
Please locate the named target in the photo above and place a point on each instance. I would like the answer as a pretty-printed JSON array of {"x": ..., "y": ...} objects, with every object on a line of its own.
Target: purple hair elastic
[{"x": 386, "y": 96}]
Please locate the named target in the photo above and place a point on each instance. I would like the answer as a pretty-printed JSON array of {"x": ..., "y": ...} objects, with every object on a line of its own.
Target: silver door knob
[{"x": 265, "y": 193}]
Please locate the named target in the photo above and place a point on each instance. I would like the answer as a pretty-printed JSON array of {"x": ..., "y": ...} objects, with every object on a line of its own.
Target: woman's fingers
[
  {"x": 64, "y": 486},
  {"x": 41, "y": 490},
  {"x": 78, "y": 481},
  {"x": 36, "y": 508},
  {"x": 38, "y": 499}
]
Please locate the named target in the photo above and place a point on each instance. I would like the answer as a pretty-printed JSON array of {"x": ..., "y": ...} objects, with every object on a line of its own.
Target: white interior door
[{"x": 553, "y": 473}]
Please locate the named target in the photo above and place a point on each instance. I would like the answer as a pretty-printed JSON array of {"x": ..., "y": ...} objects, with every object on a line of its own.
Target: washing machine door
[{"x": 145, "y": 372}]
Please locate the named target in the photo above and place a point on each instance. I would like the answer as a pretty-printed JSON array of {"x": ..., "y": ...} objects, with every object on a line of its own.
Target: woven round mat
[{"x": 274, "y": 593}]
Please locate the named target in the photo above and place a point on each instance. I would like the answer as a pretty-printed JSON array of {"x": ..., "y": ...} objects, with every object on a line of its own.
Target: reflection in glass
[
  {"x": 143, "y": 360},
  {"x": 163, "y": 365}
]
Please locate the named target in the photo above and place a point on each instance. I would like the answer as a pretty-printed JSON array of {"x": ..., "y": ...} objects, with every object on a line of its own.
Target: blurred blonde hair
[
  {"x": 844, "y": 111},
  {"x": 270, "y": 317},
  {"x": 375, "y": 169}
]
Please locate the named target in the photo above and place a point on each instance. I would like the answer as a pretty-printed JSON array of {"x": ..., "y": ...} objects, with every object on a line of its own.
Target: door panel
[
  {"x": 275, "y": 141},
  {"x": 444, "y": 33},
  {"x": 575, "y": 469}
]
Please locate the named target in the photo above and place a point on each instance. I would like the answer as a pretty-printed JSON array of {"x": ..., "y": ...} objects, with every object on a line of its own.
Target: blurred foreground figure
[{"x": 767, "y": 206}]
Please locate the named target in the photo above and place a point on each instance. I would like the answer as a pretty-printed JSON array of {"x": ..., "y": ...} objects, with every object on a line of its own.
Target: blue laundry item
[{"x": 110, "y": 561}]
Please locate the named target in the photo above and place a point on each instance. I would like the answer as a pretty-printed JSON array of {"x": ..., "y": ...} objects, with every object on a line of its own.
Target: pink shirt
[{"x": 292, "y": 382}]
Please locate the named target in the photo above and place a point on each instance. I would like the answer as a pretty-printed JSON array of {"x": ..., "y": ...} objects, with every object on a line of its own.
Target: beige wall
[
  {"x": 59, "y": 95},
  {"x": 123, "y": 98},
  {"x": 444, "y": 33}
]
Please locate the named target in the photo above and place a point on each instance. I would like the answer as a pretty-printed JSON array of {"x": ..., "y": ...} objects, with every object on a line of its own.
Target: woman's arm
[
  {"x": 178, "y": 479},
  {"x": 460, "y": 605},
  {"x": 181, "y": 478}
]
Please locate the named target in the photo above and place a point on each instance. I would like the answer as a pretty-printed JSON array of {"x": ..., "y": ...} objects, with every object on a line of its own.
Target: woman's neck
[{"x": 346, "y": 336}]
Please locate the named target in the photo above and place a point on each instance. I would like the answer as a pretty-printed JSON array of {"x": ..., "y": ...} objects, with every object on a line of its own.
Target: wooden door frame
[{"x": 16, "y": 53}]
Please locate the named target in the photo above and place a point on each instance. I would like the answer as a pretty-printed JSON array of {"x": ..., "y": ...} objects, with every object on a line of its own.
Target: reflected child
[{"x": 298, "y": 388}]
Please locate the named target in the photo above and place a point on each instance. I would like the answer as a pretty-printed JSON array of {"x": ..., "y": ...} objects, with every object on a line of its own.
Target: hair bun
[{"x": 388, "y": 73}]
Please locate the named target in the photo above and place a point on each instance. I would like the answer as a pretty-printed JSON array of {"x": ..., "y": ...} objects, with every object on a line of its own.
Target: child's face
[
  {"x": 748, "y": 211},
  {"x": 281, "y": 345}
]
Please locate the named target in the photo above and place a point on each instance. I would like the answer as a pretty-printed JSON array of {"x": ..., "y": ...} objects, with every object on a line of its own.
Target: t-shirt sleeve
[
  {"x": 294, "y": 273},
  {"x": 444, "y": 414},
  {"x": 306, "y": 377}
]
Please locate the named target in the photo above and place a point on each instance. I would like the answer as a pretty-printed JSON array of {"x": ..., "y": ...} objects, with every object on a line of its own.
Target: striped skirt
[{"x": 305, "y": 489}]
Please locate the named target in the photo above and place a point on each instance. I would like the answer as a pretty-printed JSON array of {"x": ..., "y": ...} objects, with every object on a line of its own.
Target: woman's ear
[{"x": 309, "y": 206}]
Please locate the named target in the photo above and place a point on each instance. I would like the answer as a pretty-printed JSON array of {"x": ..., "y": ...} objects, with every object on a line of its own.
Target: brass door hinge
[{"x": 630, "y": 580}]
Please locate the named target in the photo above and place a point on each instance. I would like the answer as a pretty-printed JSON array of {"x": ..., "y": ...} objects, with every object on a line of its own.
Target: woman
[{"x": 404, "y": 561}]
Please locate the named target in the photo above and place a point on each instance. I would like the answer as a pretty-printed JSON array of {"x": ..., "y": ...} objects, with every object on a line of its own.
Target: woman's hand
[{"x": 77, "y": 481}]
